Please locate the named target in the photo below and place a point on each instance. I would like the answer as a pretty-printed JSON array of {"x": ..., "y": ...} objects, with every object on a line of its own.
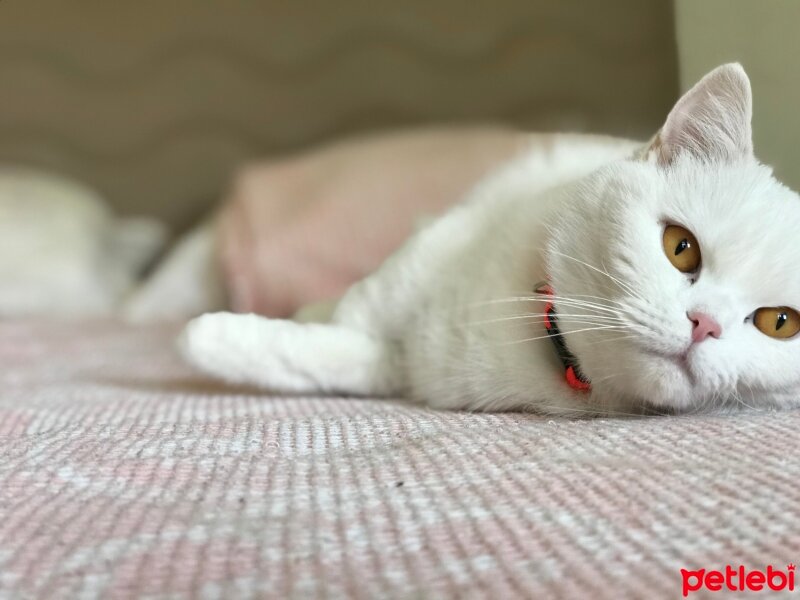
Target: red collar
[{"x": 572, "y": 372}]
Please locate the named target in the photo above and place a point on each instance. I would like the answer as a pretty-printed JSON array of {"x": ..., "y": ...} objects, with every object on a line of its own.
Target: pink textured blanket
[{"x": 123, "y": 474}]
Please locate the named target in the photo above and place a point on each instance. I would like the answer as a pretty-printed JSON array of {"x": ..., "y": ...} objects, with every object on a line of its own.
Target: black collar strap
[{"x": 572, "y": 372}]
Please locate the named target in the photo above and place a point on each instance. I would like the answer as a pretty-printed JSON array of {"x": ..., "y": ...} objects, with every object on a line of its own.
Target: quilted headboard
[{"x": 154, "y": 103}]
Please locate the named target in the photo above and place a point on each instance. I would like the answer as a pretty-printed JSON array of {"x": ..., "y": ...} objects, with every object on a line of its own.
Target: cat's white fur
[
  {"x": 186, "y": 283},
  {"x": 451, "y": 320}
]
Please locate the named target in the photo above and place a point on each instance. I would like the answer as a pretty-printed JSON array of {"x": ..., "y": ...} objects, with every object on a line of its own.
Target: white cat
[{"x": 673, "y": 272}]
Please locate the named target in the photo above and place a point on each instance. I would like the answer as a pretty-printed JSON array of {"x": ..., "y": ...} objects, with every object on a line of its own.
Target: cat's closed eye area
[{"x": 682, "y": 248}]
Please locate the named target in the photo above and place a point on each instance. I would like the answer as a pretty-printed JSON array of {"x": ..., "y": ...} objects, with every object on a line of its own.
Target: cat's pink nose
[{"x": 703, "y": 326}]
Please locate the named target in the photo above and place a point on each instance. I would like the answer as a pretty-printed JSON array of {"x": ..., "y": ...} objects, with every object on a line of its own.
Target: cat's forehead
[{"x": 745, "y": 220}]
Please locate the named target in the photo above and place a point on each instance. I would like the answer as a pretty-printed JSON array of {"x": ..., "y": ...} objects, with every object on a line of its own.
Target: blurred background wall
[
  {"x": 154, "y": 103},
  {"x": 765, "y": 37}
]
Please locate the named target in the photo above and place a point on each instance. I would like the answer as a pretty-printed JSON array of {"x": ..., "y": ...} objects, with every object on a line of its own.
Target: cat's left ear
[{"x": 711, "y": 121}]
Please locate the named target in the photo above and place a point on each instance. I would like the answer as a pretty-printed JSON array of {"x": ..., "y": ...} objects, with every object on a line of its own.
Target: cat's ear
[{"x": 711, "y": 121}]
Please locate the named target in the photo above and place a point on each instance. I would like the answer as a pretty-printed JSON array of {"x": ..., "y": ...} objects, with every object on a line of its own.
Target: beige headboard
[{"x": 154, "y": 102}]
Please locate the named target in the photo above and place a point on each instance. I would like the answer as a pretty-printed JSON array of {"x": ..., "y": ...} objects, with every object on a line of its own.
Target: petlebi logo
[{"x": 739, "y": 579}]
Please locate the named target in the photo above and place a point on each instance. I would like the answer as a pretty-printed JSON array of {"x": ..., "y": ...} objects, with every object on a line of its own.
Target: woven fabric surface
[{"x": 123, "y": 474}]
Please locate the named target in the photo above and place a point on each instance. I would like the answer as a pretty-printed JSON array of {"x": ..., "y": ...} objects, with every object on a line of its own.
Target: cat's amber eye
[
  {"x": 681, "y": 248},
  {"x": 778, "y": 321}
]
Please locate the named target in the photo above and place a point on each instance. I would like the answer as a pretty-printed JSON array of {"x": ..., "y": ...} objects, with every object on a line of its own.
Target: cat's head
[{"x": 688, "y": 261}]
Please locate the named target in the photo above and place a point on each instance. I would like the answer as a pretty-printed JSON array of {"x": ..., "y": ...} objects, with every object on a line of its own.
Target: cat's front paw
[
  {"x": 220, "y": 343},
  {"x": 273, "y": 354}
]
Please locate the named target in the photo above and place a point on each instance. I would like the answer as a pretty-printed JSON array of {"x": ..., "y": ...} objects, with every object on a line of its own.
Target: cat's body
[{"x": 452, "y": 318}]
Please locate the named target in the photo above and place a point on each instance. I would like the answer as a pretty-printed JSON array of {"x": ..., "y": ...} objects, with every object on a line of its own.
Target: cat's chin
[
  {"x": 674, "y": 379},
  {"x": 684, "y": 381},
  {"x": 665, "y": 380},
  {"x": 679, "y": 362}
]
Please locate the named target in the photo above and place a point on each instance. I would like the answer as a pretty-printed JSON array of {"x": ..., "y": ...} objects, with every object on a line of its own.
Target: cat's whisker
[
  {"x": 543, "y": 317},
  {"x": 543, "y": 298},
  {"x": 601, "y": 302},
  {"x": 532, "y": 298},
  {"x": 564, "y": 334},
  {"x": 700, "y": 404},
  {"x": 624, "y": 286},
  {"x": 700, "y": 407},
  {"x": 568, "y": 301},
  {"x": 597, "y": 298},
  {"x": 715, "y": 400},
  {"x": 741, "y": 401},
  {"x": 576, "y": 296},
  {"x": 631, "y": 290},
  {"x": 752, "y": 393},
  {"x": 591, "y": 311},
  {"x": 588, "y": 299},
  {"x": 705, "y": 402},
  {"x": 614, "y": 339},
  {"x": 596, "y": 380}
]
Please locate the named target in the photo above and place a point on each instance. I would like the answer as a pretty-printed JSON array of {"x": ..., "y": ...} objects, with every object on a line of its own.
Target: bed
[{"x": 124, "y": 474}]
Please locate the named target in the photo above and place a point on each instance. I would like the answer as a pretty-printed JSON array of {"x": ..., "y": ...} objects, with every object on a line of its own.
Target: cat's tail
[
  {"x": 185, "y": 284},
  {"x": 285, "y": 356}
]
